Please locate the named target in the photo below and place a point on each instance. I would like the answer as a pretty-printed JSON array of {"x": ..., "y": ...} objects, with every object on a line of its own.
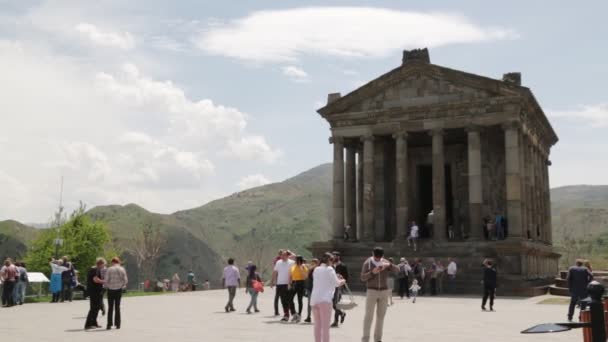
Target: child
[{"x": 414, "y": 290}]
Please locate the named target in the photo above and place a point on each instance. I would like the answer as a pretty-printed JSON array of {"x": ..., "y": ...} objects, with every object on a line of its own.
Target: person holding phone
[{"x": 374, "y": 274}]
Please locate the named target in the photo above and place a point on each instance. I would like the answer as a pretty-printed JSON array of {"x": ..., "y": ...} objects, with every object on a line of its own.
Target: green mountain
[{"x": 14, "y": 239}]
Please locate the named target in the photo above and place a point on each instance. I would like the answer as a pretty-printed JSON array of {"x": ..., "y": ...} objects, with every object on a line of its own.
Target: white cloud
[
  {"x": 252, "y": 148},
  {"x": 252, "y": 181},
  {"x": 285, "y": 35},
  {"x": 593, "y": 115},
  {"x": 295, "y": 73},
  {"x": 121, "y": 40}
]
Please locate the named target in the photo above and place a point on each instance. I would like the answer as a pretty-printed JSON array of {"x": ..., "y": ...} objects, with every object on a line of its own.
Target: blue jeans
[
  {"x": 19, "y": 292},
  {"x": 254, "y": 299}
]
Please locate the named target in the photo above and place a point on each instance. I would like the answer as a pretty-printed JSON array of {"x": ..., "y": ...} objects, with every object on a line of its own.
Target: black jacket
[
  {"x": 92, "y": 286},
  {"x": 578, "y": 279},
  {"x": 489, "y": 277}
]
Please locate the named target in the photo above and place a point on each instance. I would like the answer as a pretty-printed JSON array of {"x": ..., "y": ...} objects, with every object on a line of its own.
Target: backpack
[{"x": 23, "y": 276}]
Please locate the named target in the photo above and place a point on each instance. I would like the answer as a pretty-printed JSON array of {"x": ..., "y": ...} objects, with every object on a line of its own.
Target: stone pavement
[{"x": 199, "y": 317}]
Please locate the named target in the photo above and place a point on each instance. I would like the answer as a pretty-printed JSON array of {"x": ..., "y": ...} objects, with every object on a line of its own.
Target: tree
[
  {"x": 146, "y": 247},
  {"x": 84, "y": 240}
]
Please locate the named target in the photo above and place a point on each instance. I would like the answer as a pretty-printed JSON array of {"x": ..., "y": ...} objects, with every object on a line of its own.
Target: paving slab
[{"x": 199, "y": 316}]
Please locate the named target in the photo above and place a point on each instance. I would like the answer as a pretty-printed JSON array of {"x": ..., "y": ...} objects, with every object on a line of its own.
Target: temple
[{"x": 451, "y": 151}]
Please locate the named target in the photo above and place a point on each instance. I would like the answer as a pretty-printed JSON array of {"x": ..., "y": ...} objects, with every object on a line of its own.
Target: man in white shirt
[
  {"x": 452, "y": 270},
  {"x": 414, "y": 233},
  {"x": 231, "y": 280},
  {"x": 281, "y": 277}
]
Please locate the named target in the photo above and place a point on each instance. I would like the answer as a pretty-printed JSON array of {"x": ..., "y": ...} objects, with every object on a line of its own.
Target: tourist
[
  {"x": 412, "y": 239},
  {"x": 281, "y": 278},
  {"x": 347, "y": 232},
  {"x": 67, "y": 280},
  {"x": 9, "y": 275},
  {"x": 95, "y": 293},
  {"x": 414, "y": 289},
  {"x": 403, "y": 277},
  {"x": 276, "y": 292},
  {"x": 578, "y": 278},
  {"x": 430, "y": 222},
  {"x": 342, "y": 270},
  {"x": 434, "y": 274},
  {"x": 391, "y": 283},
  {"x": 57, "y": 270},
  {"x": 490, "y": 227},
  {"x": 325, "y": 282},
  {"x": 115, "y": 282},
  {"x": 231, "y": 280},
  {"x": 309, "y": 284},
  {"x": 418, "y": 272},
  {"x": 191, "y": 281},
  {"x": 587, "y": 264},
  {"x": 175, "y": 281},
  {"x": 440, "y": 274},
  {"x": 490, "y": 276},
  {"x": 451, "y": 270},
  {"x": 500, "y": 226},
  {"x": 299, "y": 273},
  {"x": 251, "y": 288},
  {"x": 375, "y": 273},
  {"x": 20, "y": 285}
]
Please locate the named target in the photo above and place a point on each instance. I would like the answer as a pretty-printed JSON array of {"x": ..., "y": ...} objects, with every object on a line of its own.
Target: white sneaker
[{"x": 294, "y": 317}]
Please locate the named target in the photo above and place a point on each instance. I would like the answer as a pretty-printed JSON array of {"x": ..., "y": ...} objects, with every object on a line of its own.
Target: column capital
[
  {"x": 336, "y": 140},
  {"x": 473, "y": 128},
  {"x": 400, "y": 135},
  {"x": 367, "y": 137},
  {"x": 436, "y": 131},
  {"x": 513, "y": 124}
]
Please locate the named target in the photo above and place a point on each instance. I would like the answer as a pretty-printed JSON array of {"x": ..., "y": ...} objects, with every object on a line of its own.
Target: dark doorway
[{"x": 425, "y": 197}]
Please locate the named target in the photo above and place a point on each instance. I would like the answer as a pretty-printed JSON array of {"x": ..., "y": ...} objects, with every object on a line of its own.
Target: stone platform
[
  {"x": 524, "y": 268},
  {"x": 199, "y": 317}
]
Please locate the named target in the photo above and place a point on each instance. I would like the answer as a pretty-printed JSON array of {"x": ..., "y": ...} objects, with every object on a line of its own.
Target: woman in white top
[{"x": 325, "y": 282}]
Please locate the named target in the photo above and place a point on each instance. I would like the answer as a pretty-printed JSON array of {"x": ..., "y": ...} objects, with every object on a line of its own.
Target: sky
[{"x": 171, "y": 104}]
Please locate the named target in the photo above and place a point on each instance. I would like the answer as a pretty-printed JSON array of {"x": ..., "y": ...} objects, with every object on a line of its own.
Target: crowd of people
[{"x": 14, "y": 279}]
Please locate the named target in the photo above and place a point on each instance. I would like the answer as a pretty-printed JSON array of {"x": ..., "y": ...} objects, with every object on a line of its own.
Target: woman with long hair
[
  {"x": 57, "y": 269},
  {"x": 325, "y": 282},
  {"x": 299, "y": 273},
  {"x": 249, "y": 288}
]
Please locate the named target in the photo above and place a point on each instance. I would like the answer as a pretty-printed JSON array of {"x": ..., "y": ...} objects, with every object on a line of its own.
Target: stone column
[
  {"x": 513, "y": 179},
  {"x": 338, "y": 190},
  {"x": 359, "y": 231},
  {"x": 401, "y": 185},
  {"x": 368, "y": 188},
  {"x": 439, "y": 221},
  {"x": 538, "y": 231},
  {"x": 475, "y": 182},
  {"x": 350, "y": 183},
  {"x": 547, "y": 198},
  {"x": 526, "y": 219}
]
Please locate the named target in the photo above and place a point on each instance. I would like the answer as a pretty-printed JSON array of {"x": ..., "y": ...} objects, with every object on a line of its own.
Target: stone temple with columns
[{"x": 425, "y": 139}]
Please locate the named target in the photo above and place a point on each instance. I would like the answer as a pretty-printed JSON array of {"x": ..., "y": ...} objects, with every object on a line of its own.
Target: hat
[{"x": 335, "y": 253}]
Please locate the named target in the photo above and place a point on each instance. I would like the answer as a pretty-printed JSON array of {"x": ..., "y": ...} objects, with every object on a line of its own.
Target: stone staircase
[
  {"x": 468, "y": 256},
  {"x": 560, "y": 288}
]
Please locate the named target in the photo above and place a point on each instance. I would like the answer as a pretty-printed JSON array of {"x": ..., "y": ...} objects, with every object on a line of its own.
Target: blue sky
[{"x": 172, "y": 104}]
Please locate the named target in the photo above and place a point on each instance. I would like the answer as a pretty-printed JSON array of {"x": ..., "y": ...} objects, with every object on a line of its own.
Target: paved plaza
[{"x": 199, "y": 317}]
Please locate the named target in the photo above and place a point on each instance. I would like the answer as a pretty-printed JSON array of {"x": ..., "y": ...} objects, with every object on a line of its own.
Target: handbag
[
  {"x": 257, "y": 286},
  {"x": 347, "y": 302}
]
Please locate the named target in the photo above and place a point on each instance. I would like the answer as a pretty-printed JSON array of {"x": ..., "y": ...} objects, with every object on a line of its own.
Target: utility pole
[{"x": 58, "y": 215}]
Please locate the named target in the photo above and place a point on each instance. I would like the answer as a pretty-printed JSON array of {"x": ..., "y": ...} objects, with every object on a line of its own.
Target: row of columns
[{"x": 527, "y": 190}]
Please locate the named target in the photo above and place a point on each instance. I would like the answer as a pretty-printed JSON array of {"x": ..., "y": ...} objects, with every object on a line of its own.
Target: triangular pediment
[{"x": 419, "y": 85}]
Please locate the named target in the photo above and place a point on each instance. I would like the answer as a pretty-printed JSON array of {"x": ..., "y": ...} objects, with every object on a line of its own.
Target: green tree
[{"x": 83, "y": 241}]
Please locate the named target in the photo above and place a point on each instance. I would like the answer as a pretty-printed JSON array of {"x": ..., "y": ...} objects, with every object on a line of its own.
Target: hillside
[
  {"x": 580, "y": 223},
  {"x": 248, "y": 225},
  {"x": 14, "y": 239}
]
